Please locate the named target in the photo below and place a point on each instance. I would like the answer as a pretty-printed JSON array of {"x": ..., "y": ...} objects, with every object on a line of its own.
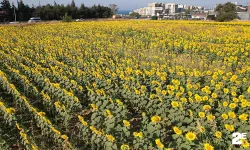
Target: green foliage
[
  {"x": 5, "y": 7},
  {"x": 52, "y": 12},
  {"x": 134, "y": 15},
  {"x": 154, "y": 18},
  {"x": 66, "y": 18},
  {"x": 226, "y": 12}
]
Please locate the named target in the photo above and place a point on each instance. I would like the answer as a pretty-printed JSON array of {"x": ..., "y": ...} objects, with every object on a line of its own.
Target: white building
[
  {"x": 171, "y": 8},
  {"x": 235, "y": 3},
  {"x": 165, "y": 9},
  {"x": 155, "y": 8}
]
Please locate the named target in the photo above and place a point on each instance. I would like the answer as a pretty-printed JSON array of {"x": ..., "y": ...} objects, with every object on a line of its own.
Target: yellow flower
[
  {"x": 201, "y": 114},
  {"x": 76, "y": 99},
  {"x": 234, "y": 94},
  {"x": 18, "y": 127},
  {"x": 155, "y": 119},
  {"x": 177, "y": 130},
  {"x": 163, "y": 92},
  {"x": 229, "y": 127},
  {"x": 109, "y": 113},
  {"x": 152, "y": 96},
  {"x": 232, "y": 105},
  {"x": 82, "y": 120},
  {"x": 205, "y": 98},
  {"x": 41, "y": 114},
  {"x": 210, "y": 117},
  {"x": 10, "y": 110},
  {"x": 226, "y": 90},
  {"x": 125, "y": 147},
  {"x": 56, "y": 85},
  {"x": 64, "y": 137},
  {"x": 218, "y": 134},
  {"x": 241, "y": 97},
  {"x": 163, "y": 78},
  {"x": 158, "y": 143},
  {"x": 94, "y": 107},
  {"x": 174, "y": 104},
  {"x": 183, "y": 99},
  {"x": 243, "y": 117},
  {"x": 231, "y": 115},
  {"x": 236, "y": 100},
  {"x": 190, "y": 113},
  {"x": 126, "y": 123},
  {"x": 190, "y": 136},
  {"x": 138, "y": 134},
  {"x": 245, "y": 144},
  {"x": 206, "y": 107},
  {"x": 34, "y": 147},
  {"x": 197, "y": 97},
  {"x": 56, "y": 131},
  {"x": 143, "y": 87},
  {"x": 248, "y": 90},
  {"x": 208, "y": 147},
  {"x": 57, "y": 104},
  {"x": 214, "y": 95},
  {"x": 224, "y": 116},
  {"x": 202, "y": 129},
  {"x": 110, "y": 137}
]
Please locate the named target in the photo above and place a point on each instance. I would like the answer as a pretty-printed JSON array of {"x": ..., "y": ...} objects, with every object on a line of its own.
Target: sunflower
[
  {"x": 190, "y": 136},
  {"x": 177, "y": 130},
  {"x": 125, "y": 147},
  {"x": 208, "y": 147}
]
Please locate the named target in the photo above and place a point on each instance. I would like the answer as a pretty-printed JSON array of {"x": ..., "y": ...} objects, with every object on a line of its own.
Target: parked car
[
  {"x": 34, "y": 19},
  {"x": 78, "y": 20},
  {"x": 14, "y": 22}
]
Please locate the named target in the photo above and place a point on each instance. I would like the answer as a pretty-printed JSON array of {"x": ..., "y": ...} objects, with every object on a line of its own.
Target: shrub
[{"x": 66, "y": 18}]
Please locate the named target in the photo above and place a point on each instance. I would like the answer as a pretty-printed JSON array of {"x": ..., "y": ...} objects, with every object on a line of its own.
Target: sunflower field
[{"x": 124, "y": 85}]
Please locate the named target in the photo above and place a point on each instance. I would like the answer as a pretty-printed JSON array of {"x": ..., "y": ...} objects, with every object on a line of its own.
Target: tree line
[{"x": 53, "y": 11}]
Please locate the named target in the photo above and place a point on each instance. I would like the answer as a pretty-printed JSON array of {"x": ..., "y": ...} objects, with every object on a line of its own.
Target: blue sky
[{"x": 132, "y": 4}]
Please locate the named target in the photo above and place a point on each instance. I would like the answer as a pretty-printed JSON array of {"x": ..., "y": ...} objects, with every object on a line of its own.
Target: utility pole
[{"x": 14, "y": 10}]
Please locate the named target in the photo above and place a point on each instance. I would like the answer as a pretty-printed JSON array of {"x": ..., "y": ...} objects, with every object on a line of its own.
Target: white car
[
  {"x": 78, "y": 20},
  {"x": 15, "y": 22},
  {"x": 34, "y": 19}
]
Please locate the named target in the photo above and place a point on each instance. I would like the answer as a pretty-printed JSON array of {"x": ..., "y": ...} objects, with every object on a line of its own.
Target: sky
[{"x": 133, "y": 4}]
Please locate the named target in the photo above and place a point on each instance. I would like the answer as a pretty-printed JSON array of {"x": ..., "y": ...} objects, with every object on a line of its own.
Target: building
[
  {"x": 171, "y": 8},
  {"x": 199, "y": 16},
  {"x": 243, "y": 12},
  {"x": 167, "y": 10},
  {"x": 243, "y": 15},
  {"x": 155, "y": 9}
]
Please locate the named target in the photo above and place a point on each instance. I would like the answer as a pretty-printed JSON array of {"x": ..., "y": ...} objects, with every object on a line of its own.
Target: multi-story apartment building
[
  {"x": 152, "y": 9},
  {"x": 171, "y": 8},
  {"x": 164, "y": 9},
  {"x": 155, "y": 8}
]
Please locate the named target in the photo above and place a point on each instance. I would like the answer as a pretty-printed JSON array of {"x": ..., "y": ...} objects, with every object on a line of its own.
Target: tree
[
  {"x": 134, "y": 15},
  {"x": 66, "y": 18},
  {"x": 6, "y": 8},
  {"x": 83, "y": 11},
  {"x": 188, "y": 11},
  {"x": 52, "y": 12},
  {"x": 226, "y": 12},
  {"x": 113, "y": 8},
  {"x": 73, "y": 10},
  {"x": 24, "y": 12}
]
